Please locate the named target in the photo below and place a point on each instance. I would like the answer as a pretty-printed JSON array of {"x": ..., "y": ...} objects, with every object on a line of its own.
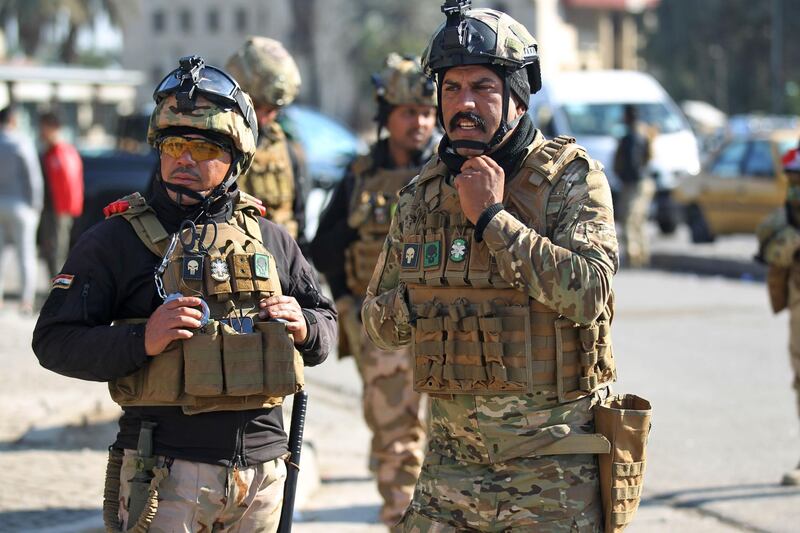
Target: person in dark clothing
[
  {"x": 346, "y": 248},
  {"x": 638, "y": 188},
  {"x": 207, "y": 347}
]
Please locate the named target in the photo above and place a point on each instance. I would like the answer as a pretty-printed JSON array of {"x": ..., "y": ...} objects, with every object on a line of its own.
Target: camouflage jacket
[{"x": 568, "y": 269}]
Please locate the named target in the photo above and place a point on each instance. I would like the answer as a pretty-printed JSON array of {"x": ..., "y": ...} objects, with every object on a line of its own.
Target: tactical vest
[
  {"x": 371, "y": 208},
  {"x": 225, "y": 365},
  {"x": 271, "y": 178},
  {"x": 475, "y": 333}
]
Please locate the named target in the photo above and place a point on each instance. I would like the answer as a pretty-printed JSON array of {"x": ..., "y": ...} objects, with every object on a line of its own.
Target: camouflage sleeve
[
  {"x": 385, "y": 313},
  {"x": 572, "y": 272},
  {"x": 778, "y": 240}
]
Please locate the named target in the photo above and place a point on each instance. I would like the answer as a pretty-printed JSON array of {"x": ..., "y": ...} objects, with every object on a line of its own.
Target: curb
[{"x": 709, "y": 266}]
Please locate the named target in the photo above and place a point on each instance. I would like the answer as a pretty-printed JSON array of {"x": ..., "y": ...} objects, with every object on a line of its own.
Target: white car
[{"x": 588, "y": 105}]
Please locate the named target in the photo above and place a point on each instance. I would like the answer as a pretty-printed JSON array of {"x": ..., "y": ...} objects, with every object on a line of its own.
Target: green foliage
[
  {"x": 719, "y": 51},
  {"x": 33, "y": 17}
]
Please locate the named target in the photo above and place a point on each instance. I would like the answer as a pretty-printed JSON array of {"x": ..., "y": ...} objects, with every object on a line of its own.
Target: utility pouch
[
  {"x": 202, "y": 358},
  {"x": 625, "y": 421},
  {"x": 429, "y": 355},
  {"x": 479, "y": 264},
  {"x": 283, "y": 367},
  {"x": 778, "y": 287},
  {"x": 241, "y": 273},
  {"x": 162, "y": 377},
  {"x": 243, "y": 364}
]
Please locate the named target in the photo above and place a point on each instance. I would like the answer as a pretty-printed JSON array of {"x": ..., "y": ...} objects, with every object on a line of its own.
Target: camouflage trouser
[
  {"x": 204, "y": 497},
  {"x": 634, "y": 204},
  {"x": 551, "y": 494},
  {"x": 392, "y": 411},
  {"x": 794, "y": 331}
]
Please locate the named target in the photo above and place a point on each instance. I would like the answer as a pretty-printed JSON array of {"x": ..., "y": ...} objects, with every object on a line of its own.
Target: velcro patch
[{"x": 62, "y": 281}]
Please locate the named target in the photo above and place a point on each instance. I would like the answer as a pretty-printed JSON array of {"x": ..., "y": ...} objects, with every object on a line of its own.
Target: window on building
[
  {"x": 213, "y": 20},
  {"x": 185, "y": 17},
  {"x": 159, "y": 21},
  {"x": 241, "y": 19}
]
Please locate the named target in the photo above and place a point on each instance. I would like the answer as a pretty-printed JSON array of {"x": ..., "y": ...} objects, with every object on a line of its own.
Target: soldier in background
[
  {"x": 497, "y": 269},
  {"x": 277, "y": 176},
  {"x": 346, "y": 248},
  {"x": 779, "y": 243},
  {"x": 638, "y": 188}
]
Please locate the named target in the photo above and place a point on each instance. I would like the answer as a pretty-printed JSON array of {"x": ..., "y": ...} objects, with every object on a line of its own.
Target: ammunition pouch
[
  {"x": 502, "y": 342},
  {"x": 778, "y": 287},
  {"x": 625, "y": 421},
  {"x": 217, "y": 369}
]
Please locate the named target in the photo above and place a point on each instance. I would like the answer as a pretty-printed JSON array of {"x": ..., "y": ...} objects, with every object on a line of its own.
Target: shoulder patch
[{"x": 62, "y": 281}]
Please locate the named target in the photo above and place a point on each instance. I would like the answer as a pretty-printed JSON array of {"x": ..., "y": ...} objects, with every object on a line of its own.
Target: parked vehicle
[
  {"x": 328, "y": 146},
  {"x": 741, "y": 184},
  {"x": 588, "y": 105}
]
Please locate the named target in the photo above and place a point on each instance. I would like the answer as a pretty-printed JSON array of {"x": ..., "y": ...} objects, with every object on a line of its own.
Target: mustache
[
  {"x": 185, "y": 170},
  {"x": 479, "y": 122}
]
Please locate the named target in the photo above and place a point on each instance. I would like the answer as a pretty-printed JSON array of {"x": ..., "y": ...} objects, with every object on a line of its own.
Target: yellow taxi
[{"x": 738, "y": 187}]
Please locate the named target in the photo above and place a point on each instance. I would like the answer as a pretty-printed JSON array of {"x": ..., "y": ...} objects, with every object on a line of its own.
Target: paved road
[{"x": 705, "y": 351}]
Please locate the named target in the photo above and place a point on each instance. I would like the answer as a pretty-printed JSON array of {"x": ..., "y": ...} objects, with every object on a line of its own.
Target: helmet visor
[{"x": 194, "y": 76}]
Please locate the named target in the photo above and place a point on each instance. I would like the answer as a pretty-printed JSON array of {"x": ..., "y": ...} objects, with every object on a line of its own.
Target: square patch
[
  {"x": 261, "y": 266},
  {"x": 410, "y": 259},
  {"x": 433, "y": 254},
  {"x": 193, "y": 267}
]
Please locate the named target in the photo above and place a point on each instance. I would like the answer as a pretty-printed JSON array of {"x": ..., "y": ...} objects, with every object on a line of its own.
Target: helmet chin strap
[
  {"x": 215, "y": 194},
  {"x": 499, "y": 134}
]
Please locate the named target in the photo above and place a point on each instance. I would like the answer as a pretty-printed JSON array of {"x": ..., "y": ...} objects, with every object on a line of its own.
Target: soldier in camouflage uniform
[
  {"x": 779, "y": 242},
  {"x": 497, "y": 271},
  {"x": 347, "y": 245},
  {"x": 277, "y": 176}
]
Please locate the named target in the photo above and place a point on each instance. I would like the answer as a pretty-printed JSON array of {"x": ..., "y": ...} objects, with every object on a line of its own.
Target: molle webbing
[
  {"x": 223, "y": 366},
  {"x": 371, "y": 207},
  {"x": 503, "y": 344},
  {"x": 493, "y": 338}
]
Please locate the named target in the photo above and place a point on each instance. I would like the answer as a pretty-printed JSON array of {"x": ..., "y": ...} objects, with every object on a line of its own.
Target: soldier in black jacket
[{"x": 228, "y": 312}]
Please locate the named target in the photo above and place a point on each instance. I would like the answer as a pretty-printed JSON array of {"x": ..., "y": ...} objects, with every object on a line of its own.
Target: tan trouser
[
  {"x": 634, "y": 204},
  {"x": 392, "y": 411},
  {"x": 204, "y": 497},
  {"x": 794, "y": 331}
]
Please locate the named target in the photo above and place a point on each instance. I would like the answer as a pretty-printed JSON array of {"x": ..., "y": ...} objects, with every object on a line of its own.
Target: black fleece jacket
[{"x": 113, "y": 280}]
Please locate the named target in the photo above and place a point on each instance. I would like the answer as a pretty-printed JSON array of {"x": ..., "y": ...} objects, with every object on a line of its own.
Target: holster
[
  {"x": 778, "y": 287},
  {"x": 625, "y": 421}
]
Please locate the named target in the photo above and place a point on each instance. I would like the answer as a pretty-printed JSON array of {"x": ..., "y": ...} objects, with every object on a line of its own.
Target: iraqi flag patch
[{"x": 62, "y": 281}]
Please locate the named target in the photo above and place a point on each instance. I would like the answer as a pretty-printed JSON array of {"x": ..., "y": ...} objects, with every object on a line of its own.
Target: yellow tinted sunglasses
[{"x": 199, "y": 149}]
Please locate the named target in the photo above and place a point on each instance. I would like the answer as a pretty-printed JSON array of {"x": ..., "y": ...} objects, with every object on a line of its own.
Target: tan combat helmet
[
  {"x": 402, "y": 82},
  {"x": 490, "y": 38},
  {"x": 199, "y": 97},
  {"x": 266, "y": 71}
]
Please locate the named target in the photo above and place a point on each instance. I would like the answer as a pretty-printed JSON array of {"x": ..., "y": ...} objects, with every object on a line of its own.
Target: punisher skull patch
[
  {"x": 433, "y": 254},
  {"x": 193, "y": 267},
  {"x": 410, "y": 259}
]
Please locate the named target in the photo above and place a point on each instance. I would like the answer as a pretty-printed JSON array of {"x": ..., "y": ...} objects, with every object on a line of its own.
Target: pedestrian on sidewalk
[
  {"x": 200, "y": 314},
  {"x": 497, "y": 269},
  {"x": 349, "y": 240},
  {"x": 779, "y": 247},
  {"x": 63, "y": 170},
  {"x": 21, "y": 197},
  {"x": 638, "y": 188}
]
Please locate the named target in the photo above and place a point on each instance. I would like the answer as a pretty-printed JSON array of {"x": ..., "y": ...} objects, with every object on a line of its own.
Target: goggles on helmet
[
  {"x": 199, "y": 149},
  {"x": 194, "y": 77}
]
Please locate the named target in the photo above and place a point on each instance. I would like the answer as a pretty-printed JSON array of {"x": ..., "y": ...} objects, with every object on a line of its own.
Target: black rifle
[{"x": 293, "y": 465}]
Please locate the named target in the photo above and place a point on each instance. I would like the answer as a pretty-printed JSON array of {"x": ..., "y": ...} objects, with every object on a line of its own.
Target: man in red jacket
[{"x": 63, "y": 170}]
